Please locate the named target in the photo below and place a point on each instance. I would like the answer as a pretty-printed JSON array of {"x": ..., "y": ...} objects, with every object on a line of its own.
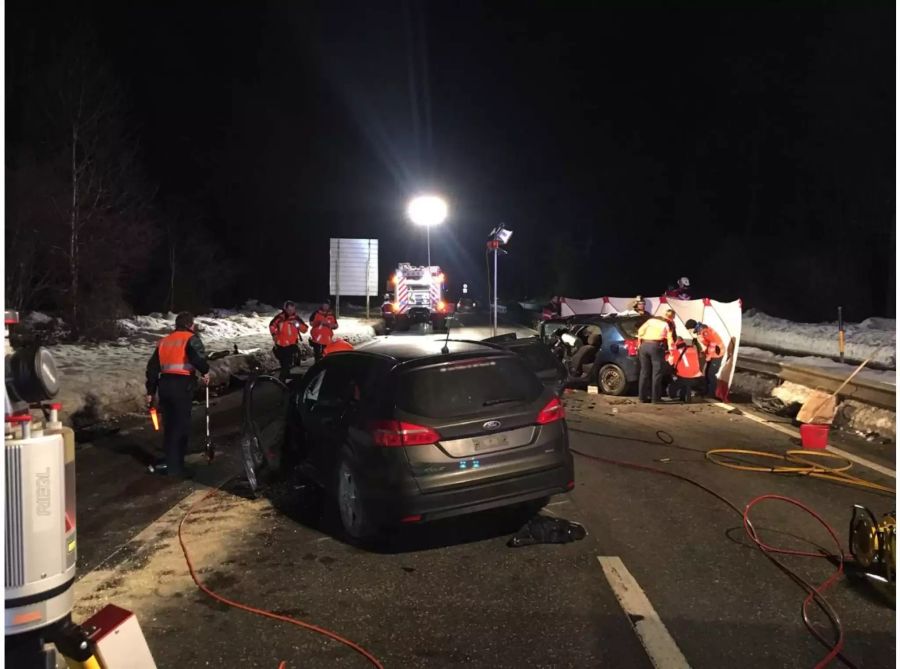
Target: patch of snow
[
  {"x": 790, "y": 393},
  {"x": 873, "y": 338},
  {"x": 866, "y": 420},
  {"x": 107, "y": 379}
]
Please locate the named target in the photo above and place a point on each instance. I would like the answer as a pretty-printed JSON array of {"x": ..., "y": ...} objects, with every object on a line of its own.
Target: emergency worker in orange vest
[
  {"x": 713, "y": 349},
  {"x": 171, "y": 372},
  {"x": 336, "y": 346},
  {"x": 688, "y": 374},
  {"x": 323, "y": 324},
  {"x": 655, "y": 338},
  {"x": 286, "y": 329}
]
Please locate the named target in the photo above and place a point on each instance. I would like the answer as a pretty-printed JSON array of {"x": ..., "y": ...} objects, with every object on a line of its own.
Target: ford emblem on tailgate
[{"x": 492, "y": 425}]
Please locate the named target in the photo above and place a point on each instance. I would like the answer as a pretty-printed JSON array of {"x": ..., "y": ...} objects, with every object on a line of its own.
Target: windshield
[{"x": 466, "y": 387}]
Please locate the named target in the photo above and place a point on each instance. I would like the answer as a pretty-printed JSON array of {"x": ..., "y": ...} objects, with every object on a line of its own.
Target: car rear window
[
  {"x": 466, "y": 387},
  {"x": 630, "y": 327}
]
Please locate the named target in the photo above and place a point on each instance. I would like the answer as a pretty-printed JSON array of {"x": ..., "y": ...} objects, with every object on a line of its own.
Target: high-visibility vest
[
  {"x": 656, "y": 329},
  {"x": 712, "y": 343},
  {"x": 337, "y": 345},
  {"x": 687, "y": 363},
  {"x": 173, "y": 357},
  {"x": 287, "y": 329},
  {"x": 323, "y": 325}
]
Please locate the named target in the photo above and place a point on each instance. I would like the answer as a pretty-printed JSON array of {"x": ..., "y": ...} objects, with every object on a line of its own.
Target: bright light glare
[{"x": 427, "y": 210}]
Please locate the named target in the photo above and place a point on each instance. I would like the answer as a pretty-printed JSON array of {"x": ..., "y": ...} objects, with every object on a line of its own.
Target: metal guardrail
[{"x": 862, "y": 390}]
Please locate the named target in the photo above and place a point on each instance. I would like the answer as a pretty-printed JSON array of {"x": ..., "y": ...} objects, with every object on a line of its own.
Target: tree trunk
[{"x": 73, "y": 234}]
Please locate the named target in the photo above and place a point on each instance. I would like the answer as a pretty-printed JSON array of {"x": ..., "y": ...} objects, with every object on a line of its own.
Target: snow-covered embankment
[{"x": 101, "y": 381}]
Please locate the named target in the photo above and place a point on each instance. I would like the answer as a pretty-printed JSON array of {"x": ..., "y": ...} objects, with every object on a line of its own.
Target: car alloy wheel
[{"x": 612, "y": 380}]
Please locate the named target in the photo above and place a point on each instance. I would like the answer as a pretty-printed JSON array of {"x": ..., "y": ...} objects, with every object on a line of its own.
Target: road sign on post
[{"x": 353, "y": 269}]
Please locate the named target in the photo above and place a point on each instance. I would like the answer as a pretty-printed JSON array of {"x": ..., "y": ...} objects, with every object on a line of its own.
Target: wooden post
[{"x": 841, "y": 332}]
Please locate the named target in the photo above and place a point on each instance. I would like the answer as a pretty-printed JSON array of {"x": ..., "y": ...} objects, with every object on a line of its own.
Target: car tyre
[
  {"x": 354, "y": 518},
  {"x": 611, "y": 379}
]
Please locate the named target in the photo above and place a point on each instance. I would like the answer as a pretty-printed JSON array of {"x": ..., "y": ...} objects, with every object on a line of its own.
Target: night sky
[{"x": 751, "y": 150}]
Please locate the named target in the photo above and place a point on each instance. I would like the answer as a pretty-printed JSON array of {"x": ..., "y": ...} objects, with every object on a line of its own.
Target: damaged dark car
[{"x": 408, "y": 430}]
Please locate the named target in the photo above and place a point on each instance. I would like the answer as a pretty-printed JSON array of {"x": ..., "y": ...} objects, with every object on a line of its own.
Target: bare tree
[{"x": 105, "y": 205}]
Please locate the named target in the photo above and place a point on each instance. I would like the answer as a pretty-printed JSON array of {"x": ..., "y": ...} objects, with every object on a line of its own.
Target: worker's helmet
[
  {"x": 684, "y": 282},
  {"x": 288, "y": 303}
]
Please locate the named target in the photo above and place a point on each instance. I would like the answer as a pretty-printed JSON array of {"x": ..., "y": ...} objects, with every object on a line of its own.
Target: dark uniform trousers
[
  {"x": 712, "y": 368},
  {"x": 286, "y": 356},
  {"x": 652, "y": 356},
  {"x": 176, "y": 393}
]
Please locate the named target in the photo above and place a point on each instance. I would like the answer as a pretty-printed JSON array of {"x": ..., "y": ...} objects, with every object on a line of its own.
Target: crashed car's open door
[
  {"x": 537, "y": 357},
  {"x": 264, "y": 429}
]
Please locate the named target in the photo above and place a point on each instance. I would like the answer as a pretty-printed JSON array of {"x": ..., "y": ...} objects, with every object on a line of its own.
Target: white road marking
[
  {"x": 791, "y": 432},
  {"x": 564, "y": 501},
  {"x": 659, "y": 644},
  {"x": 862, "y": 461}
]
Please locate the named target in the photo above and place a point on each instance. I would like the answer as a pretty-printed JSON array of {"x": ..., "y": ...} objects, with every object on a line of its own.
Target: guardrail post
[{"x": 841, "y": 332}]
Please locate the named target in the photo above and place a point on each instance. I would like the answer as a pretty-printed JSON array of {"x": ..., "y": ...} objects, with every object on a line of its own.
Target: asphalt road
[{"x": 453, "y": 593}]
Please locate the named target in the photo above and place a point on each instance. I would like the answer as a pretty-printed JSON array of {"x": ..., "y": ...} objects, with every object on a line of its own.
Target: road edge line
[
  {"x": 791, "y": 432},
  {"x": 659, "y": 645}
]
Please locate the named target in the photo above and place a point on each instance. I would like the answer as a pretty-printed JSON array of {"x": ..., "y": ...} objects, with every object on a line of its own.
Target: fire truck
[{"x": 415, "y": 296}]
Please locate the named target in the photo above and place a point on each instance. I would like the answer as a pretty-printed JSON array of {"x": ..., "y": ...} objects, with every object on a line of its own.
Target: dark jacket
[{"x": 196, "y": 355}]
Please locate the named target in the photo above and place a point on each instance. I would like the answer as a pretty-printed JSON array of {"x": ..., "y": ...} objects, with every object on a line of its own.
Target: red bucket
[{"x": 814, "y": 436}]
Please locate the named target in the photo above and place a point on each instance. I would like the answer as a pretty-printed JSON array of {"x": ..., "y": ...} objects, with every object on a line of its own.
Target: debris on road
[{"x": 545, "y": 530}]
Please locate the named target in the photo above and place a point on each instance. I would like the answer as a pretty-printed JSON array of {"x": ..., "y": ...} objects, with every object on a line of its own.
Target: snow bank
[
  {"x": 866, "y": 421},
  {"x": 103, "y": 380},
  {"x": 874, "y": 338}
]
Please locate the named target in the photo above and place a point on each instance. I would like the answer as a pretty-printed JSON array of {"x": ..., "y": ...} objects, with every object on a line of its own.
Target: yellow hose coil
[{"x": 797, "y": 462}]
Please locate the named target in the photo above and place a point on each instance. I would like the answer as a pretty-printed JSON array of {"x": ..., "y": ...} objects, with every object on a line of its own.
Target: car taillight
[
  {"x": 632, "y": 346},
  {"x": 551, "y": 413},
  {"x": 392, "y": 433}
]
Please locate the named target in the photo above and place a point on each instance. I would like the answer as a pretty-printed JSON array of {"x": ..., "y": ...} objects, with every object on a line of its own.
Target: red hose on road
[
  {"x": 822, "y": 587},
  {"x": 814, "y": 593},
  {"x": 262, "y": 612}
]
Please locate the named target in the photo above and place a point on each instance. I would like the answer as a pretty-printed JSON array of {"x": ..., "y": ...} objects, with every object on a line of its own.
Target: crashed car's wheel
[
  {"x": 353, "y": 514},
  {"x": 611, "y": 380}
]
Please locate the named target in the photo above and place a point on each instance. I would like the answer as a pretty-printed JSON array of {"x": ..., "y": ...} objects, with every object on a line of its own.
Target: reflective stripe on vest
[
  {"x": 173, "y": 357},
  {"x": 687, "y": 365}
]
